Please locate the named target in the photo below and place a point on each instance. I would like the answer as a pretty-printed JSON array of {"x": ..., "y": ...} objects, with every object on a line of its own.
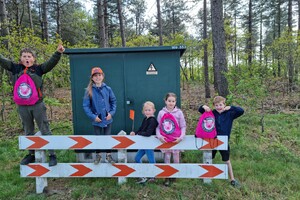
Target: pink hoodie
[{"x": 177, "y": 113}]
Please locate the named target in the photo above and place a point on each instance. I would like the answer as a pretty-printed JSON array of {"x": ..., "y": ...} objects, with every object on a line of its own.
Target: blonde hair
[
  {"x": 150, "y": 104},
  {"x": 170, "y": 94},
  {"x": 219, "y": 99}
]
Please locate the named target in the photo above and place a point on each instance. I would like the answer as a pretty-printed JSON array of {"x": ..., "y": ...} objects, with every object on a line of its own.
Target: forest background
[{"x": 246, "y": 50}]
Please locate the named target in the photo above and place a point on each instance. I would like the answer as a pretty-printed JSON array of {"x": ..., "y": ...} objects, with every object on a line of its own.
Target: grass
[{"x": 266, "y": 164}]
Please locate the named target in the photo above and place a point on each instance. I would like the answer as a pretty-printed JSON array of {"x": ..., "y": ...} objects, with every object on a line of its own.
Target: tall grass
[{"x": 266, "y": 164}]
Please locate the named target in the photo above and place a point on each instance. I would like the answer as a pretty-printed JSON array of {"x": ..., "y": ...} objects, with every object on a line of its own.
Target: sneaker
[
  {"x": 235, "y": 183},
  {"x": 29, "y": 158},
  {"x": 109, "y": 158},
  {"x": 167, "y": 182},
  {"x": 52, "y": 160},
  {"x": 97, "y": 159},
  {"x": 151, "y": 180},
  {"x": 142, "y": 180}
]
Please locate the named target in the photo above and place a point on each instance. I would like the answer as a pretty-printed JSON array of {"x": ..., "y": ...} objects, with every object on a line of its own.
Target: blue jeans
[{"x": 142, "y": 152}]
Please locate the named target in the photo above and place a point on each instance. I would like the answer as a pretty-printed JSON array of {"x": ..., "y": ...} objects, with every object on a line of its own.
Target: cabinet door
[
  {"x": 148, "y": 77},
  {"x": 112, "y": 66}
]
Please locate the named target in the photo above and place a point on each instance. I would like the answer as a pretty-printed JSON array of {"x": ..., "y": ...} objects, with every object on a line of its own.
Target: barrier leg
[
  {"x": 40, "y": 157},
  {"x": 122, "y": 158},
  {"x": 41, "y": 183},
  {"x": 207, "y": 159}
]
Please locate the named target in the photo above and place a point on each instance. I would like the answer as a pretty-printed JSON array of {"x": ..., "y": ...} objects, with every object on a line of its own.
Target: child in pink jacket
[{"x": 163, "y": 131}]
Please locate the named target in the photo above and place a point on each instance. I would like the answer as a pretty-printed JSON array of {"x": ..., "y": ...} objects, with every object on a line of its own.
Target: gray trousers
[
  {"x": 103, "y": 131},
  {"x": 35, "y": 113}
]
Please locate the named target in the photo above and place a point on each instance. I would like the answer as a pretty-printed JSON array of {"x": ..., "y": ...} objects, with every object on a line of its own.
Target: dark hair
[
  {"x": 28, "y": 50},
  {"x": 170, "y": 94}
]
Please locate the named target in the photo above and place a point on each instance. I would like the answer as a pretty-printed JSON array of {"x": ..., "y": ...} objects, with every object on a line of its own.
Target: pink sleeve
[{"x": 182, "y": 125}]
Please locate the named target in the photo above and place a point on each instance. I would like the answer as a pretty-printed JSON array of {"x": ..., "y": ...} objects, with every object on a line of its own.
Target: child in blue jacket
[
  {"x": 100, "y": 104},
  {"x": 224, "y": 116}
]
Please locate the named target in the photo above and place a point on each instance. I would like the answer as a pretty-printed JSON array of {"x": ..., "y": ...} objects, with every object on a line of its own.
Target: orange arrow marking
[
  {"x": 82, "y": 170},
  {"x": 167, "y": 145},
  {"x": 81, "y": 142},
  {"x": 212, "y": 143},
  {"x": 38, "y": 142},
  {"x": 125, "y": 170},
  {"x": 212, "y": 171},
  {"x": 124, "y": 142},
  {"x": 168, "y": 171},
  {"x": 39, "y": 170}
]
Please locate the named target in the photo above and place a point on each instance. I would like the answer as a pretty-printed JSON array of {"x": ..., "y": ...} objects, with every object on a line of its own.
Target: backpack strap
[
  {"x": 40, "y": 93},
  {"x": 25, "y": 70}
]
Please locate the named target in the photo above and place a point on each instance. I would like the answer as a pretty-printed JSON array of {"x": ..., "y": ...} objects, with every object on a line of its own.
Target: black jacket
[{"x": 148, "y": 127}]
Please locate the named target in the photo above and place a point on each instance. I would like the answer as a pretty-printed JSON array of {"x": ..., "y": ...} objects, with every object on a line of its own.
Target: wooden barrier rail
[
  {"x": 40, "y": 170},
  {"x": 85, "y": 142}
]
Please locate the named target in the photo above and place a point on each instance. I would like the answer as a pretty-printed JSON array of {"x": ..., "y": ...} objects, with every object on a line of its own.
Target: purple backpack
[
  {"x": 25, "y": 92},
  {"x": 169, "y": 127},
  {"x": 206, "y": 127}
]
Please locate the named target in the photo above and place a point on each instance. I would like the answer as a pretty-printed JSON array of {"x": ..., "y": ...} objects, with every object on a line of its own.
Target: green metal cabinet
[{"x": 135, "y": 75}]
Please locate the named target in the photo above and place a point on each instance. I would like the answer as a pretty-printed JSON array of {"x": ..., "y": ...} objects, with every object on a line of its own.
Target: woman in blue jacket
[{"x": 99, "y": 104}]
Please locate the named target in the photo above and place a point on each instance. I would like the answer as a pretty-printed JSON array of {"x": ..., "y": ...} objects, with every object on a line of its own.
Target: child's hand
[
  {"x": 162, "y": 140},
  {"x": 177, "y": 140},
  {"x": 60, "y": 48},
  {"x": 97, "y": 119},
  {"x": 108, "y": 117},
  {"x": 227, "y": 108},
  {"x": 206, "y": 108},
  {"x": 132, "y": 133}
]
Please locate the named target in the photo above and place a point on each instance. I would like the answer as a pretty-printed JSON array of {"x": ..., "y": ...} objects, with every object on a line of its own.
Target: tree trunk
[
  {"x": 4, "y": 31},
  {"x": 260, "y": 35},
  {"x": 298, "y": 42},
  {"x": 205, "y": 57},
  {"x": 101, "y": 25},
  {"x": 58, "y": 24},
  {"x": 17, "y": 13},
  {"x": 29, "y": 14},
  {"x": 159, "y": 22},
  {"x": 3, "y": 19},
  {"x": 235, "y": 40},
  {"x": 249, "y": 39},
  {"x": 121, "y": 23},
  {"x": 173, "y": 19},
  {"x": 44, "y": 21},
  {"x": 219, "y": 47},
  {"x": 106, "y": 19},
  {"x": 279, "y": 34},
  {"x": 290, "y": 56}
]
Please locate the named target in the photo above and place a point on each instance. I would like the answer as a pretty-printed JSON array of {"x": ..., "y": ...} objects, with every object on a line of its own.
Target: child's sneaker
[
  {"x": 235, "y": 183},
  {"x": 52, "y": 160},
  {"x": 167, "y": 182},
  {"x": 98, "y": 159},
  {"x": 151, "y": 180},
  {"x": 142, "y": 180},
  {"x": 29, "y": 158},
  {"x": 109, "y": 158}
]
